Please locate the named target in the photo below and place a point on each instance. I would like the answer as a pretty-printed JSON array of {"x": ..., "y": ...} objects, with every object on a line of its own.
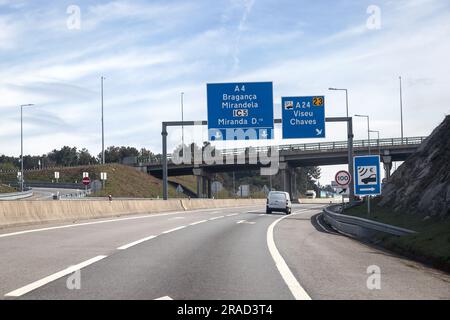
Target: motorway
[
  {"x": 233, "y": 253},
  {"x": 47, "y": 193}
]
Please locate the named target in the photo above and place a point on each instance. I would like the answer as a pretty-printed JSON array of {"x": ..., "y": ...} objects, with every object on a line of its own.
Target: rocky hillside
[{"x": 421, "y": 185}]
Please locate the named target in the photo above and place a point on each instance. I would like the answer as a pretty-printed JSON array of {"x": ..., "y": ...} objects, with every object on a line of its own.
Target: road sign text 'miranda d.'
[
  {"x": 303, "y": 117},
  {"x": 240, "y": 111}
]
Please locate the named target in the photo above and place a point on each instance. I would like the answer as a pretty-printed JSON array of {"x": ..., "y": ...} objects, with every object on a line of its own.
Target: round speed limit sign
[{"x": 343, "y": 178}]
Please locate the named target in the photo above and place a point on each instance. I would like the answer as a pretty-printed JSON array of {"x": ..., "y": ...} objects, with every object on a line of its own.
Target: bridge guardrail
[
  {"x": 319, "y": 146},
  {"x": 16, "y": 195},
  {"x": 359, "y": 227}
]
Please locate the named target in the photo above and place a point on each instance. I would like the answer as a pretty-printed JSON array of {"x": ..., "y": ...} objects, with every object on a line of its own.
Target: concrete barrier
[{"x": 19, "y": 213}]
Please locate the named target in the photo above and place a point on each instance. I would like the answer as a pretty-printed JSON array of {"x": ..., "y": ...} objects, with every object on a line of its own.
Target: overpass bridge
[{"x": 290, "y": 156}]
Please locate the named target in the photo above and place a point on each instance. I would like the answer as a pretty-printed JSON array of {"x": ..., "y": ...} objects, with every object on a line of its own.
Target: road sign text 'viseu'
[{"x": 303, "y": 117}]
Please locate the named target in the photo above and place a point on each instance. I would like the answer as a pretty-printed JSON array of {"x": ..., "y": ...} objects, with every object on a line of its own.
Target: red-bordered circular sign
[
  {"x": 343, "y": 178},
  {"x": 86, "y": 181}
]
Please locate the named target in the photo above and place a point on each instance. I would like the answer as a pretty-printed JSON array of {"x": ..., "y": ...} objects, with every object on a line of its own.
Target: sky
[{"x": 53, "y": 53}]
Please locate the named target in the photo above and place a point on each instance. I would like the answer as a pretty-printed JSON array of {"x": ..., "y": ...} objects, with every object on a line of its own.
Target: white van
[
  {"x": 310, "y": 194},
  {"x": 278, "y": 201}
]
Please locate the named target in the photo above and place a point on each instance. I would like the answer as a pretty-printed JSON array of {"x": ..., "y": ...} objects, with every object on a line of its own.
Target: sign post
[
  {"x": 240, "y": 111},
  {"x": 367, "y": 176},
  {"x": 103, "y": 177},
  {"x": 86, "y": 180},
  {"x": 303, "y": 117},
  {"x": 343, "y": 179}
]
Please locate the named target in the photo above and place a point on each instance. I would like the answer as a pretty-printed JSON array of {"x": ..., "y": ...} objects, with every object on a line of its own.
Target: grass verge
[{"x": 430, "y": 245}]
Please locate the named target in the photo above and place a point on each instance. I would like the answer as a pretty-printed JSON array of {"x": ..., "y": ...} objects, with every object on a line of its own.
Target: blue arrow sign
[
  {"x": 240, "y": 111},
  {"x": 367, "y": 175},
  {"x": 303, "y": 117}
]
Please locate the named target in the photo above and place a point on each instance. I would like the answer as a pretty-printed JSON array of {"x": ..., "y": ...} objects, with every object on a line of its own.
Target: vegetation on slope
[
  {"x": 431, "y": 244},
  {"x": 123, "y": 181}
]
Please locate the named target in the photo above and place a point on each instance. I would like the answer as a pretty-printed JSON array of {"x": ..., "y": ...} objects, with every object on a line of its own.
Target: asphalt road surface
[
  {"x": 47, "y": 193},
  {"x": 234, "y": 253}
]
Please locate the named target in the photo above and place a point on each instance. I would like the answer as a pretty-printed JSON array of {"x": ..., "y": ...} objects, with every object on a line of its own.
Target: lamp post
[
  {"x": 378, "y": 140},
  {"x": 368, "y": 128},
  {"x": 368, "y": 137},
  {"x": 103, "y": 127},
  {"x": 182, "y": 120},
  {"x": 346, "y": 97},
  {"x": 401, "y": 109},
  {"x": 21, "y": 143},
  {"x": 349, "y": 148}
]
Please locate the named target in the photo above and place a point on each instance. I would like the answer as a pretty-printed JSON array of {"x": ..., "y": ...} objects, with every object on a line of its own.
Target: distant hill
[{"x": 421, "y": 185}]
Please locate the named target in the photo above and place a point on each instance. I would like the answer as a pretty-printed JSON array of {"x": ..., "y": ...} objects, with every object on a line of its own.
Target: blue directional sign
[
  {"x": 367, "y": 175},
  {"x": 303, "y": 117},
  {"x": 240, "y": 111}
]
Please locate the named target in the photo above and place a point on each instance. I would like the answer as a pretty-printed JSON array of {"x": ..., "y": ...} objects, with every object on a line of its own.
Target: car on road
[
  {"x": 278, "y": 201},
  {"x": 310, "y": 194}
]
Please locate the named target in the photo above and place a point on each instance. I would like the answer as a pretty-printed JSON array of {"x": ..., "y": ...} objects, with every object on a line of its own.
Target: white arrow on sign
[
  {"x": 367, "y": 189},
  {"x": 218, "y": 135},
  {"x": 319, "y": 132},
  {"x": 264, "y": 134}
]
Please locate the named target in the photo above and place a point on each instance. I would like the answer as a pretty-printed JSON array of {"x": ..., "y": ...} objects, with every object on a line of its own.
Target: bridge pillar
[
  {"x": 387, "y": 163},
  {"x": 204, "y": 185},
  {"x": 209, "y": 187},
  {"x": 286, "y": 173}
]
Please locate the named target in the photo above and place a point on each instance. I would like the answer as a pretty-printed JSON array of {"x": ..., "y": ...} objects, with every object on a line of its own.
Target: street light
[
  {"x": 346, "y": 96},
  {"x": 368, "y": 128},
  {"x": 378, "y": 139},
  {"x": 103, "y": 127},
  {"x": 21, "y": 143},
  {"x": 401, "y": 108},
  {"x": 182, "y": 121},
  {"x": 349, "y": 149},
  {"x": 368, "y": 136}
]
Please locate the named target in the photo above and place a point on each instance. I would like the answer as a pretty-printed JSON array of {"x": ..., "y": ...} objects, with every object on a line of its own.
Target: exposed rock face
[{"x": 421, "y": 185}]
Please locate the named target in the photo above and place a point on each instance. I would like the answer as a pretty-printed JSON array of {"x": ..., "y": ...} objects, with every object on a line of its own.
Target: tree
[
  {"x": 85, "y": 158},
  {"x": 115, "y": 154}
]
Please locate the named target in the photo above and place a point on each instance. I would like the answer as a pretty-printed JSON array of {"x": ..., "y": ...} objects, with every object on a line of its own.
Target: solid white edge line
[
  {"x": 318, "y": 221},
  {"x": 197, "y": 222},
  {"x": 174, "y": 229},
  {"x": 294, "y": 286},
  {"x": 131, "y": 244},
  {"x": 39, "y": 283}
]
